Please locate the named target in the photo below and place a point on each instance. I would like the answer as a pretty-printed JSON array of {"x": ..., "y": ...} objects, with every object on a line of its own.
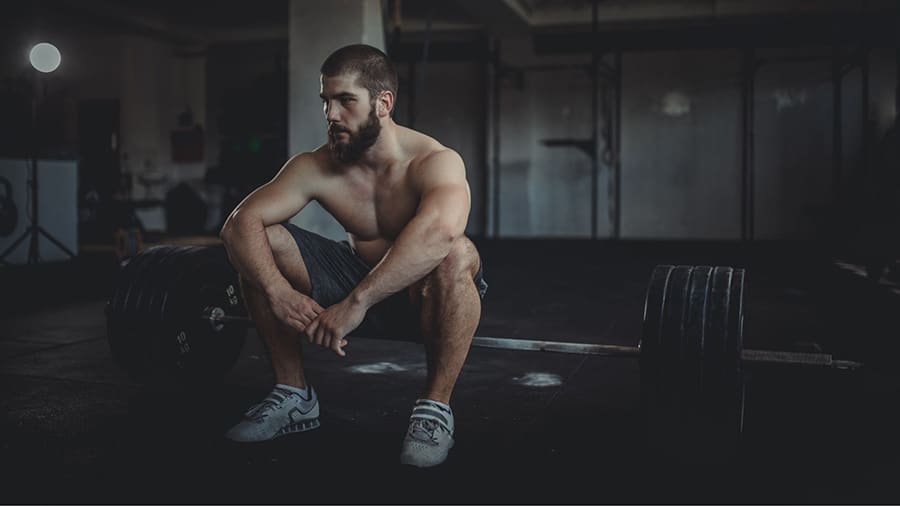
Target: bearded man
[{"x": 406, "y": 270}]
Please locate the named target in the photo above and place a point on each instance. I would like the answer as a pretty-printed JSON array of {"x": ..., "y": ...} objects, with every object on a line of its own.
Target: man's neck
[{"x": 386, "y": 150}]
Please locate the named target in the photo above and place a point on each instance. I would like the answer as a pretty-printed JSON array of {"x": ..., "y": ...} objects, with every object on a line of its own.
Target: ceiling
[{"x": 208, "y": 21}]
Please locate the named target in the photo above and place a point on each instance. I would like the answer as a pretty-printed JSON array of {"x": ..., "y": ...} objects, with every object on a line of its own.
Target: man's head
[{"x": 359, "y": 84}]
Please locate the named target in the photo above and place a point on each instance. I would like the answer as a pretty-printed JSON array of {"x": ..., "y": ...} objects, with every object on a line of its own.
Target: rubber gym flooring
[{"x": 531, "y": 427}]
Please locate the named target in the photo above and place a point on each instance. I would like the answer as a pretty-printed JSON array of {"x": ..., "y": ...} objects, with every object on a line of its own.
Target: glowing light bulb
[{"x": 45, "y": 57}]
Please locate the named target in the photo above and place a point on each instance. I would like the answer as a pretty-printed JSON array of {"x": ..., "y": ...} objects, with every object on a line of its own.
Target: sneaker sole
[
  {"x": 410, "y": 462},
  {"x": 301, "y": 426}
]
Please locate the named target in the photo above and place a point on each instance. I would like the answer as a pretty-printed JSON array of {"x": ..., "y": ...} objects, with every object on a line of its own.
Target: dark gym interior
[{"x": 601, "y": 139}]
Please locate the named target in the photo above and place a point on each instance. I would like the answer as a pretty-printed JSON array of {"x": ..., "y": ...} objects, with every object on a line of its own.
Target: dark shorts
[{"x": 334, "y": 271}]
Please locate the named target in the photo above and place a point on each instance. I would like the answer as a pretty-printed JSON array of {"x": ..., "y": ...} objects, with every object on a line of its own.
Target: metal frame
[{"x": 595, "y": 68}]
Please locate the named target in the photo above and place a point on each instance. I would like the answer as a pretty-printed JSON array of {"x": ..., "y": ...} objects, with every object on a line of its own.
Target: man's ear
[{"x": 385, "y": 103}]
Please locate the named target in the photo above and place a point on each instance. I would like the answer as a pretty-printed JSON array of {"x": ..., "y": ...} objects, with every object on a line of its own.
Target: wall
[
  {"x": 152, "y": 81},
  {"x": 681, "y": 171},
  {"x": 545, "y": 190},
  {"x": 681, "y": 157},
  {"x": 681, "y": 150},
  {"x": 450, "y": 109}
]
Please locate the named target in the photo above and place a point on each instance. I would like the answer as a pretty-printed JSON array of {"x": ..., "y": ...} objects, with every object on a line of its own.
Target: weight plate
[
  {"x": 693, "y": 341},
  {"x": 154, "y": 325},
  {"x": 691, "y": 376}
]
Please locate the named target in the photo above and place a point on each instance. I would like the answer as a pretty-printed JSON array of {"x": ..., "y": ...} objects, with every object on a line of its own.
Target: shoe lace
[
  {"x": 260, "y": 411},
  {"x": 422, "y": 429}
]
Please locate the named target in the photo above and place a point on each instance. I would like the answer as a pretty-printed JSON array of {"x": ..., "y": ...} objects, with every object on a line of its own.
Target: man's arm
[
  {"x": 244, "y": 232},
  {"x": 426, "y": 240}
]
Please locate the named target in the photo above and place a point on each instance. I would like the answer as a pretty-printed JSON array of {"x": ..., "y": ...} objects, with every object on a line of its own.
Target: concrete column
[{"x": 316, "y": 29}]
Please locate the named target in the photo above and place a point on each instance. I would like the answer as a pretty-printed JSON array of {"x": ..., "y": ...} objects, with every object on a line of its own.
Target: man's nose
[{"x": 331, "y": 114}]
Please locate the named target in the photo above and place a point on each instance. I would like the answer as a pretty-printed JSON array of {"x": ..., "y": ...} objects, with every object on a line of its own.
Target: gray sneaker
[
  {"x": 282, "y": 412},
  {"x": 430, "y": 435}
]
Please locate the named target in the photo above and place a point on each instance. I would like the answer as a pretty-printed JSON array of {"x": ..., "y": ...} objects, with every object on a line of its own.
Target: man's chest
[{"x": 372, "y": 207}]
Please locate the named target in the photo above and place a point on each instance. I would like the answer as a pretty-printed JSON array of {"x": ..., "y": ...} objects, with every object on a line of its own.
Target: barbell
[{"x": 176, "y": 312}]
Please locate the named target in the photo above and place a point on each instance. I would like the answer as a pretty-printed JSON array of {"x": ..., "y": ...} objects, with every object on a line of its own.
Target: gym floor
[{"x": 532, "y": 427}]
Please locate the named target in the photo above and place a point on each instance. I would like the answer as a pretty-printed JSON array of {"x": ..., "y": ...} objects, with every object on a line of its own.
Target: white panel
[{"x": 57, "y": 208}]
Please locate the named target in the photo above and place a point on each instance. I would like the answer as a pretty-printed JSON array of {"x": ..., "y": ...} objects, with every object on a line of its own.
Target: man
[{"x": 407, "y": 269}]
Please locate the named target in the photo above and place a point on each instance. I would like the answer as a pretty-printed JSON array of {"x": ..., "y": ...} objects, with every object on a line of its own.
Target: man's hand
[
  {"x": 333, "y": 324},
  {"x": 294, "y": 309}
]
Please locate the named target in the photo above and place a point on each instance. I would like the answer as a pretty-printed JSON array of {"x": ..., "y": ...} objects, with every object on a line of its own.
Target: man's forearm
[
  {"x": 251, "y": 255},
  {"x": 421, "y": 246}
]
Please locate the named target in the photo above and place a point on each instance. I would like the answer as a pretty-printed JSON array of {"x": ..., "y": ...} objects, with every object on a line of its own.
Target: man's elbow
[
  {"x": 236, "y": 224},
  {"x": 227, "y": 231},
  {"x": 446, "y": 233}
]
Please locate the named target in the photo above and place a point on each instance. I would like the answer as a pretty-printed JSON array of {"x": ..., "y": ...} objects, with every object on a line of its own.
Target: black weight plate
[
  {"x": 716, "y": 363},
  {"x": 660, "y": 368},
  {"x": 125, "y": 282},
  {"x": 672, "y": 335},
  {"x": 146, "y": 283},
  {"x": 126, "y": 335},
  {"x": 654, "y": 306},
  {"x": 178, "y": 264},
  {"x": 135, "y": 323},
  {"x": 212, "y": 352},
  {"x": 173, "y": 311},
  {"x": 722, "y": 364},
  {"x": 735, "y": 347},
  {"x": 193, "y": 348},
  {"x": 693, "y": 338},
  {"x": 168, "y": 269},
  {"x": 691, "y": 379},
  {"x": 653, "y": 309}
]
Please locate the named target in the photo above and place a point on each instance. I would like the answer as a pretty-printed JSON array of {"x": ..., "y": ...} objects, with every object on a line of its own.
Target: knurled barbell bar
[
  {"x": 176, "y": 311},
  {"x": 217, "y": 319}
]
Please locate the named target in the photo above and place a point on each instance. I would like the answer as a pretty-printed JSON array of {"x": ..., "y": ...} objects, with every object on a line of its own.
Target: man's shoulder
[
  {"x": 427, "y": 150},
  {"x": 315, "y": 161}
]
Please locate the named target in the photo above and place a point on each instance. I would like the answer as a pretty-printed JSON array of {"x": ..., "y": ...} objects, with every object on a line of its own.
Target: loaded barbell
[{"x": 176, "y": 312}]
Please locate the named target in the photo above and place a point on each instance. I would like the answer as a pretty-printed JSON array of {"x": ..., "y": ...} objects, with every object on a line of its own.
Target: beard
[{"x": 358, "y": 142}]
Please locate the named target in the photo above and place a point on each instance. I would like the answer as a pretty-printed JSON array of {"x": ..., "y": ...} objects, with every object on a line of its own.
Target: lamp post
[{"x": 45, "y": 58}]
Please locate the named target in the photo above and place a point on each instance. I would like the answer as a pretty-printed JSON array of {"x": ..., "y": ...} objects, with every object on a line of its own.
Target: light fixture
[{"x": 45, "y": 57}]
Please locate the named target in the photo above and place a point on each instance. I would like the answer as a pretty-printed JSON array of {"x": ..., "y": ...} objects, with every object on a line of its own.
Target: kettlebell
[{"x": 9, "y": 215}]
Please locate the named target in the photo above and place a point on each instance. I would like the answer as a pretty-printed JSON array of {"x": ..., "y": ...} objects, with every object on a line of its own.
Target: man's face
[{"x": 353, "y": 125}]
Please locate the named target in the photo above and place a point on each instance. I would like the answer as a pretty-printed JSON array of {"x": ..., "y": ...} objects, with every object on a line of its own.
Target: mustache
[{"x": 337, "y": 129}]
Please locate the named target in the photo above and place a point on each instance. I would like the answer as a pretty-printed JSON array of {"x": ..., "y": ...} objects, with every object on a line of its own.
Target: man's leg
[
  {"x": 290, "y": 406},
  {"x": 451, "y": 310},
  {"x": 282, "y": 341}
]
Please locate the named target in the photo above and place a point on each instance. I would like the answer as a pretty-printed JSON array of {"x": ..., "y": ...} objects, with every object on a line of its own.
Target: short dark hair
[{"x": 375, "y": 71}]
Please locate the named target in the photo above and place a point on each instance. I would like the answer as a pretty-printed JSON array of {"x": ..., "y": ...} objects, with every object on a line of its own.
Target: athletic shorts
[{"x": 334, "y": 271}]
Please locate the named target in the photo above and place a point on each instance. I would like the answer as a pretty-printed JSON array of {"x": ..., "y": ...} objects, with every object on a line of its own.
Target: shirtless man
[{"x": 408, "y": 270}]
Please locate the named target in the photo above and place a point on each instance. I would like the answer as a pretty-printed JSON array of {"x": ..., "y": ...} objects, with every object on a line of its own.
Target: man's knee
[
  {"x": 461, "y": 263},
  {"x": 287, "y": 257},
  {"x": 281, "y": 241}
]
